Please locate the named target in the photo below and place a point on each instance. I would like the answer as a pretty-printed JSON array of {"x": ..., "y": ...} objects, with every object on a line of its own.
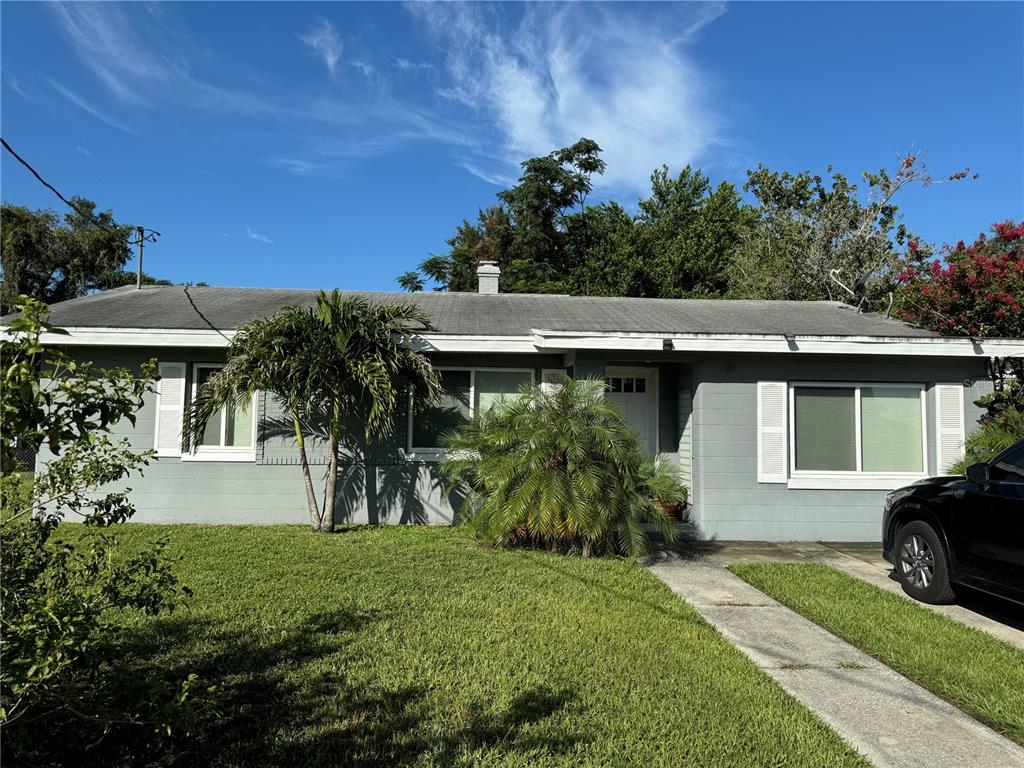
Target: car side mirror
[{"x": 977, "y": 473}]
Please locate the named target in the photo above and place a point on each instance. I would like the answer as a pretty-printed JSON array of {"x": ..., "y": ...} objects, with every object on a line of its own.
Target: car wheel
[{"x": 921, "y": 564}]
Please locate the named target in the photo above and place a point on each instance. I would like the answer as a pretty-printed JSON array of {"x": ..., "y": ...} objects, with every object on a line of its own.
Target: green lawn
[
  {"x": 416, "y": 647},
  {"x": 981, "y": 675}
]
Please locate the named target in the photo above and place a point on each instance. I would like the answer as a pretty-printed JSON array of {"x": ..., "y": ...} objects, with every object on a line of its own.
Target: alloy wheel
[{"x": 917, "y": 562}]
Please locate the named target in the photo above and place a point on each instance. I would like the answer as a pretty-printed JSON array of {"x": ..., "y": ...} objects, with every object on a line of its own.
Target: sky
[{"x": 330, "y": 145}]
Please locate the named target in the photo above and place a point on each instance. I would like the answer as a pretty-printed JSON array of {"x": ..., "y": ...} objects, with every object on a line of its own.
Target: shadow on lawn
[{"x": 280, "y": 699}]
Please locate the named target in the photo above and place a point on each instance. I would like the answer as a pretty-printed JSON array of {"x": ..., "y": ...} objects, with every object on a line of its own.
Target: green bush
[
  {"x": 563, "y": 471},
  {"x": 67, "y": 608}
]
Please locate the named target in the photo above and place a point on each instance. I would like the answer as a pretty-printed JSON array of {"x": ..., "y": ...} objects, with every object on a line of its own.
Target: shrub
[
  {"x": 561, "y": 470},
  {"x": 64, "y": 606}
]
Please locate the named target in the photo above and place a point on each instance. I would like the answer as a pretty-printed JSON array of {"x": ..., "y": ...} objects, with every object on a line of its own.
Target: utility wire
[{"x": 148, "y": 235}]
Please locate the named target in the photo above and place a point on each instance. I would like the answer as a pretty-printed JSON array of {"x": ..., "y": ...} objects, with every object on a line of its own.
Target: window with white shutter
[
  {"x": 170, "y": 409},
  {"x": 771, "y": 431},
  {"x": 949, "y": 425}
]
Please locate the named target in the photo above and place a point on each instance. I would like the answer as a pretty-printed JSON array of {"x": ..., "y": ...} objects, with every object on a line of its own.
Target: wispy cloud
[
  {"x": 564, "y": 72},
  {"x": 83, "y": 150},
  {"x": 257, "y": 236},
  {"x": 366, "y": 68},
  {"x": 323, "y": 40},
  {"x": 412, "y": 66},
  {"x": 15, "y": 85},
  {"x": 82, "y": 104},
  {"x": 144, "y": 69}
]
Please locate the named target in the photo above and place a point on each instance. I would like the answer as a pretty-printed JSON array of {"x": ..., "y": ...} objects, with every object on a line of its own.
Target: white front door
[{"x": 635, "y": 391}]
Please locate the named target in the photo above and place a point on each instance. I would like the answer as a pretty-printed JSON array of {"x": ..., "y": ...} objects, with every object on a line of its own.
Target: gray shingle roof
[{"x": 474, "y": 314}]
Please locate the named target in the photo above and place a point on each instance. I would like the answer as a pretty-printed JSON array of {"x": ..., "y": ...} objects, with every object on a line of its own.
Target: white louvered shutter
[
  {"x": 170, "y": 409},
  {"x": 949, "y": 425},
  {"x": 771, "y": 432}
]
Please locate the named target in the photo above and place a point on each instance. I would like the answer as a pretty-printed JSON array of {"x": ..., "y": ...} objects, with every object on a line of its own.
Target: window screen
[
  {"x": 491, "y": 386},
  {"x": 826, "y": 435},
  {"x": 891, "y": 429},
  {"x": 448, "y": 413}
]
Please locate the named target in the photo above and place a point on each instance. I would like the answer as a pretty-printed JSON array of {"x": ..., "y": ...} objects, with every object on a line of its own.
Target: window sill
[
  {"x": 852, "y": 482},
  {"x": 221, "y": 454}
]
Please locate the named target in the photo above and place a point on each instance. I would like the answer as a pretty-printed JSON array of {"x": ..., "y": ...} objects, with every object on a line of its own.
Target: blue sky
[{"x": 322, "y": 145}]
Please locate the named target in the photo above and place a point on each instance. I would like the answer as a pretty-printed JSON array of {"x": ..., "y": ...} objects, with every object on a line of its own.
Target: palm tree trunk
[
  {"x": 327, "y": 521},
  {"x": 314, "y": 508}
]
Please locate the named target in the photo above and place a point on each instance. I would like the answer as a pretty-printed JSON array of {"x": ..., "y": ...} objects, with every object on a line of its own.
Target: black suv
[{"x": 947, "y": 531}]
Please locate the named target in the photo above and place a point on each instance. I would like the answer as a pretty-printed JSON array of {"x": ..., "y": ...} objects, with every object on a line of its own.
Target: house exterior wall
[
  {"x": 729, "y": 502},
  {"x": 706, "y": 427}
]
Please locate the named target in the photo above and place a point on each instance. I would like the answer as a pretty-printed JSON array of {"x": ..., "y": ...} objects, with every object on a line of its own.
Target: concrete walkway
[
  {"x": 998, "y": 618},
  {"x": 890, "y": 720}
]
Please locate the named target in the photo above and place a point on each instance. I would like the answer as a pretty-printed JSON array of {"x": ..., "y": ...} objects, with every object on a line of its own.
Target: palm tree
[
  {"x": 345, "y": 355},
  {"x": 561, "y": 470}
]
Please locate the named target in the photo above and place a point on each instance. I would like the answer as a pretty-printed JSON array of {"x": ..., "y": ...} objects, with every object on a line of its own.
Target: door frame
[{"x": 653, "y": 374}]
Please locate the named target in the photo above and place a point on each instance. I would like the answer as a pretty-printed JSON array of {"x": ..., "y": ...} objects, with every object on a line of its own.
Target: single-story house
[{"x": 787, "y": 420}]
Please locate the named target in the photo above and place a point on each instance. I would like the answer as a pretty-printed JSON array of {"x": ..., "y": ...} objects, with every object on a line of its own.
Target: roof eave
[{"x": 542, "y": 340}]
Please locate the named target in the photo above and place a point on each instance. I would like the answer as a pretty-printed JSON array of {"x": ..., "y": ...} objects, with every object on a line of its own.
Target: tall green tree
[
  {"x": 548, "y": 240},
  {"x": 345, "y": 356},
  {"x": 52, "y": 260},
  {"x": 810, "y": 233},
  {"x": 527, "y": 231}
]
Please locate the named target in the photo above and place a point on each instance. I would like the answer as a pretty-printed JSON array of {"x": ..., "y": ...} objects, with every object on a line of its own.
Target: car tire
[{"x": 921, "y": 564}]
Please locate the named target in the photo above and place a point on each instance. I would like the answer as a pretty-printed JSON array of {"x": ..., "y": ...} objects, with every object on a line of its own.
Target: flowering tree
[{"x": 977, "y": 292}]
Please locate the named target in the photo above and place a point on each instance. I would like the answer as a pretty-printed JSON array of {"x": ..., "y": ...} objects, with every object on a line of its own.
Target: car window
[{"x": 1010, "y": 467}]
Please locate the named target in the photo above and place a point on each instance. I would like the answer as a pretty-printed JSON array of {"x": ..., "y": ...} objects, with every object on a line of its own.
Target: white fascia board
[
  {"x": 938, "y": 346},
  {"x": 565, "y": 341},
  {"x": 445, "y": 342},
  {"x": 139, "y": 337}
]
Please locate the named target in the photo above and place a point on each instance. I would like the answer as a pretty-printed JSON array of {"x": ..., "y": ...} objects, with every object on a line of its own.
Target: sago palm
[
  {"x": 345, "y": 355},
  {"x": 561, "y": 470}
]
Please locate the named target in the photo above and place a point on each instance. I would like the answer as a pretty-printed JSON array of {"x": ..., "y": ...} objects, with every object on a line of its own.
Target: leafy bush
[
  {"x": 996, "y": 434},
  {"x": 65, "y": 606},
  {"x": 563, "y": 471}
]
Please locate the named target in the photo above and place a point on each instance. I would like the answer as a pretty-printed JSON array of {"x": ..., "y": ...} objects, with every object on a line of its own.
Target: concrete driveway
[{"x": 999, "y": 618}]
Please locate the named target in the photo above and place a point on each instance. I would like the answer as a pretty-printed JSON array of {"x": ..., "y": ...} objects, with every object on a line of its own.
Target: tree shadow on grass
[{"x": 279, "y": 697}]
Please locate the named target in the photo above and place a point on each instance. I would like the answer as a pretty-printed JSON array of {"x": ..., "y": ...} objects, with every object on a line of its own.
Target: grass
[
  {"x": 419, "y": 647},
  {"x": 968, "y": 668}
]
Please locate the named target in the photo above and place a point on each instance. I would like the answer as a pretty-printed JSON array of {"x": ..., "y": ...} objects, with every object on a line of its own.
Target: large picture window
[
  {"x": 466, "y": 393},
  {"x": 871, "y": 429},
  {"x": 230, "y": 434}
]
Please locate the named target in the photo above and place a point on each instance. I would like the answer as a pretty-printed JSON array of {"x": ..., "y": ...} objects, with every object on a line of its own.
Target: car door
[{"x": 992, "y": 517}]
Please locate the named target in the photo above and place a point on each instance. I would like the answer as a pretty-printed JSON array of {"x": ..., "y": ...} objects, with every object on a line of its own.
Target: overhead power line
[{"x": 142, "y": 234}]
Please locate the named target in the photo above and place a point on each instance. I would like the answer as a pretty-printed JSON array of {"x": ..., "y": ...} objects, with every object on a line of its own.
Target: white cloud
[
  {"x": 364, "y": 67},
  {"x": 257, "y": 236},
  {"x": 563, "y": 72},
  {"x": 82, "y": 104},
  {"x": 83, "y": 150},
  {"x": 409, "y": 66},
  {"x": 325, "y": 43}
]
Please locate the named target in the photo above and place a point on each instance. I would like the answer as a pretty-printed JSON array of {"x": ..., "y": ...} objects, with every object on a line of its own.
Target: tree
[
  {"x": 561, "y": 470},
  {"x": 808, "y": 230},
  {"x": 976, "y": 290},
  {"x": 344, "y": 357},
  {"x": 64, "y": 604},
  {"x": 526, "y": 232},
  {"x": 53, "y": 261}
]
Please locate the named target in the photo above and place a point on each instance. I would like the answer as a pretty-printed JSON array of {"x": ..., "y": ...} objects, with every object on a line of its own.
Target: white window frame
[
  {"x": 221, "y": 452},
  {"x": 435, "y": 453},
  {"x": 858, "y": 478}
]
